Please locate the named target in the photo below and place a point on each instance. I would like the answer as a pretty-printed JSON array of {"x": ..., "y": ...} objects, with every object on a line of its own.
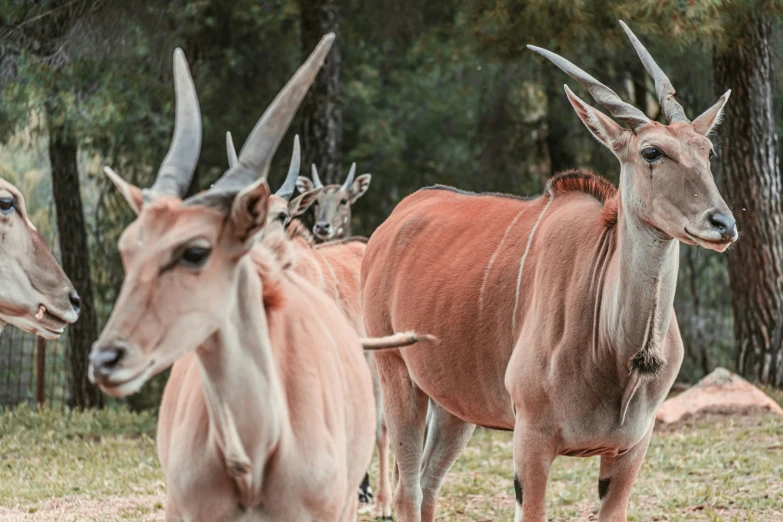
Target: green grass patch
[
  {"x": 102, "y": 466},
  {"x": 47, "y": 453}
]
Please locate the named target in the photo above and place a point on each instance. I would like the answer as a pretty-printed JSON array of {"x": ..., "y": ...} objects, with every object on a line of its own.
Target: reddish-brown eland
[{"x": 554, "y": 314}]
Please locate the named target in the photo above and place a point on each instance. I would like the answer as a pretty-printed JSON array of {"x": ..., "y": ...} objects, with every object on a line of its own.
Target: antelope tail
[{"x": 398, "y": 340}]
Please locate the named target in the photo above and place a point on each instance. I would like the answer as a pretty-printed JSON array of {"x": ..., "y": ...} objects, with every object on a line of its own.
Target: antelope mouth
[
  {"x": 710, "y": 242},
  {"x": 50, "y": 326},
  {"x": 125, "y": 385}
]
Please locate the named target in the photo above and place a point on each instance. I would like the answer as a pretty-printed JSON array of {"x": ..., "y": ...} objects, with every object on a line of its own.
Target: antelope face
[
  {"x": 280, "y": 211},
  {"x": 181, "y": 265},
  {"x": 36, "y": 295},
  {"x": 665, "y": 179},
  {"x": 332, "y": 213},
  {"x": 333, "y": 206},
  {"x": 667, "y": 182},
  {"x": 183, "y": 259}
]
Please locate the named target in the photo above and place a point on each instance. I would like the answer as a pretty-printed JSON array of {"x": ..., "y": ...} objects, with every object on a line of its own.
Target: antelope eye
[
  {"x": 344, "y": 201},
  {"x": 282, "y": 217},
  {"x": 194, "y": 257},
  {"x": 7, "y": 205},
  {"x": 651, "y": 154}
]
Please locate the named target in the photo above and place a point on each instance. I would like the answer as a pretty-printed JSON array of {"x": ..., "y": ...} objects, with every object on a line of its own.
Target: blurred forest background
[{"x": 416, "y": 92}]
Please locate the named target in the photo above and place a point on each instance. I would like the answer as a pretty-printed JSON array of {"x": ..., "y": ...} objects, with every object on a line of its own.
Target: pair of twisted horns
[
  {"x": 289, "y": 185},
  {"x": 621, "y": 110},
  {"x": 252, "y": 164},
  {"x": 348, "y": 181}
]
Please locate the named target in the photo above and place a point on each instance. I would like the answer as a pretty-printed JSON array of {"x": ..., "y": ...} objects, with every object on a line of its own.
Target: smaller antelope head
[
  {"x": 36, "y": 295},
  {"x": 333, "y": 205},
  {"x": 282, "y": 209},
  {"x": 188, "y": 264},
  {"x": 665, "y": 176}
]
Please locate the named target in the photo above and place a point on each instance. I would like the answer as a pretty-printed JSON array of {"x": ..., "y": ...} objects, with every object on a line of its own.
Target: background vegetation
[{"x": 426, "y": 92}]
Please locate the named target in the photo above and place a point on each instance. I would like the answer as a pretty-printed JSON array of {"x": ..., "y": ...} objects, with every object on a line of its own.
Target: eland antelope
[
  {"x": 335, "y": 268},
  {"x": 36, "y": 295},
  {"x": 267, "y": 414},
  {"x": 561, "y": 319},
  {"x": 333, "y": 205}
]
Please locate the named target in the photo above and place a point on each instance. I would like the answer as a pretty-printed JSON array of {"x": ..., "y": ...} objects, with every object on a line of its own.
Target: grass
[{"x": 102, "y": 466}]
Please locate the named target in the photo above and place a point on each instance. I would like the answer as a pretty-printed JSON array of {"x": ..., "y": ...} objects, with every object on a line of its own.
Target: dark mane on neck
[
  {"x": 297, "y": 229},
  {"x": 589, "y": 183}
]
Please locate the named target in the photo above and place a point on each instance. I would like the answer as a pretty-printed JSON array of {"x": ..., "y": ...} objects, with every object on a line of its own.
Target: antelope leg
[{"x": 616, "y": 480}]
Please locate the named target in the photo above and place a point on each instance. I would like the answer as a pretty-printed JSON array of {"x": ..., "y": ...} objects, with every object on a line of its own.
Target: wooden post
[{"x": 40, "y": 371}]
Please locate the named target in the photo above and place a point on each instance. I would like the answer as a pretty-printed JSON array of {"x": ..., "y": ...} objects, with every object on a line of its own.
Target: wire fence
[{"x": 32, "y": 370}]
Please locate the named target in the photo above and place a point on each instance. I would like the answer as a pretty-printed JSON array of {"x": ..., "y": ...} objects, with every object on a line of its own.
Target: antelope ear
[
  {"x": 248, "y": 211},
  {"x": 359, "y": 187},
  {"x": 304, "y": 184},
  {"x": 601, "y": 126},
  {"x": 302, "y": 202},
  {"x": 710, "y": 118},
  {"x": 131, "y": 193}
]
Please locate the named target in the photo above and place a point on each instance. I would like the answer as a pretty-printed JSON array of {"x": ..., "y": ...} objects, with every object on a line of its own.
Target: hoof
[
  {"x": 365, "y": 496},
  {"x": 365, "y": 491}
]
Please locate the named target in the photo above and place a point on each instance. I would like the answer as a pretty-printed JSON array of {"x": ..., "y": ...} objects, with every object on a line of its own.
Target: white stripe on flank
[
  {"x": 522, "y": 265},
  {"x": 494, "y": 256}
]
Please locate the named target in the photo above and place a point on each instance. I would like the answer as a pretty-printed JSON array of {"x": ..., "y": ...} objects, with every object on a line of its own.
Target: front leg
[
  {"x": 616, "y": 480},
  {"x": 533, "y": 456}
]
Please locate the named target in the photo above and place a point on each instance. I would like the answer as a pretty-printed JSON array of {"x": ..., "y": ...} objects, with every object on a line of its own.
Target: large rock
[{"x": 721, "y": 392}]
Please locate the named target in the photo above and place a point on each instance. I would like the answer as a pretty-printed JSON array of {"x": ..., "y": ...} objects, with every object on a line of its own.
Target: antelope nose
[
  {"x": 322, "y": 227},
  {"x": 724, "y": 224},
  {"x": 76, "y": 302},
  {"x": 104, "y": 360}
]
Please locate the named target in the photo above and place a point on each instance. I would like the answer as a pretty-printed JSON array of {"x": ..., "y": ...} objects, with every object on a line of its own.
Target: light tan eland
[
  {"x": 335, "y": 268},
  {"x": 555, "y": 314},
  {"x": 268, "y": 413},
  {"x": 35, "y": 294}
]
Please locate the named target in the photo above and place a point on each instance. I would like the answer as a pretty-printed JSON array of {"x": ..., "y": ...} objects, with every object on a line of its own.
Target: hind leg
[
  {"x": 447, "y": 436},
  {"x": 405, "y": 409},
  {"x": 384, "y": 487},
  {"x": 384, "y": 498}
]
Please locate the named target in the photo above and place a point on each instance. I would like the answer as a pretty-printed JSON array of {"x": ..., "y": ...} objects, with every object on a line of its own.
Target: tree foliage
[{"x": 432, "y": 92}]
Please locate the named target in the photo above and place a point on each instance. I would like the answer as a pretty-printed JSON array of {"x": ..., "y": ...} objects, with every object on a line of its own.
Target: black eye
[
  {"x": 7, "y": 205},
  {"x": 194, "y": 257},
  {"x": 651, "y": 154},
  {"x": 282, "y": 217},
  {"x": 344, "y": 201}
]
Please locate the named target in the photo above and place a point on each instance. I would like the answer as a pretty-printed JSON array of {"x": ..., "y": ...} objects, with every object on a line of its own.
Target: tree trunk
[
  {"x": 322, "y": 109},
  {"x": 75, "y": 256},
  {"x": 753, "y": 187}
]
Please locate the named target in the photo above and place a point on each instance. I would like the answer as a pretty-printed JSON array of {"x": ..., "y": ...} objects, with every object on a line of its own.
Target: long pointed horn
[
  {"x": 178, "y": 166},
  {"x": 316, "y": 181},
  {"x": 231, "y": 151},
  {"x": 621, "y": 110},
  {"x": 287, "y": 190},
  {"x": 261, "y": 145},
  {"x": 663, "y": 86},
  {"x": 349, "y": 179}
]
